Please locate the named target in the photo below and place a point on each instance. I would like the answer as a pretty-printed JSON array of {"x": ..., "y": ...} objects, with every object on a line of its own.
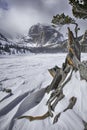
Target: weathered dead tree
[
  {"x": 72, "y": 102},
  {"x": 61, "y": 76}
]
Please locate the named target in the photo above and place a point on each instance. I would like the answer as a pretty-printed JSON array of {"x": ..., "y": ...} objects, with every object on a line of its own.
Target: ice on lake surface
[{"x": 27, "y": 76}]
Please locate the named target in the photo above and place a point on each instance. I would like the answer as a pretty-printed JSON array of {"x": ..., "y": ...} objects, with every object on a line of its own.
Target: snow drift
[{"x": 27, "y": 77}]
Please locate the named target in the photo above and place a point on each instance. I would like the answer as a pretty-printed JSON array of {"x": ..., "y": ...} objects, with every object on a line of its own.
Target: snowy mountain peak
[{"x": 42, "y": 34}]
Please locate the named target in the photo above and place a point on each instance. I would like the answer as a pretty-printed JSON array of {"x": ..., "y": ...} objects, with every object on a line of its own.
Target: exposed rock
[
  {"x": 43, "y": 34},
  {"x": 40, "y": 39}
]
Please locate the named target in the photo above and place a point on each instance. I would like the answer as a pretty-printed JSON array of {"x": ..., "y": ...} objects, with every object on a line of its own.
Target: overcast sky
[{"x": 21, "y": 14}]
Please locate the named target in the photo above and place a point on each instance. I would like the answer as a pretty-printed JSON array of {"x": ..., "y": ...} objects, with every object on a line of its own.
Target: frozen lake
[{"x": 25, "y": 75}]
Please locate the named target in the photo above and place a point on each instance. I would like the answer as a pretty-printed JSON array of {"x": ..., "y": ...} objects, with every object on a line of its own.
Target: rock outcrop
[{"x": 44, "y": 34}]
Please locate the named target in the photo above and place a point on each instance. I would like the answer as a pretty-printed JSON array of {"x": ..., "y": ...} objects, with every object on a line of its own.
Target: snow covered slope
[
  {"x": 41, "y": 38},
  {"x": 27, "y": 76}
]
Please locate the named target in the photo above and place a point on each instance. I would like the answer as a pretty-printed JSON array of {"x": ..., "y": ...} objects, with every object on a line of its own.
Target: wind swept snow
[{"x": 27, "y": 77}]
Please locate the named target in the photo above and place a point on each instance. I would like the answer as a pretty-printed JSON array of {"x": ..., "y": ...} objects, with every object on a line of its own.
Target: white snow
[{"x": 27, "y": 76}]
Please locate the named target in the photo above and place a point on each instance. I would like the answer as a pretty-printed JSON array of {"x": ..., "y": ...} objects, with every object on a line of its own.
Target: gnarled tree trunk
[{"x": 61, "y": 76}]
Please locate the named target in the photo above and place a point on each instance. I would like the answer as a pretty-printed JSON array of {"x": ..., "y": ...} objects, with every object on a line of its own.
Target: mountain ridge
[{"x": 40, "y": 39}]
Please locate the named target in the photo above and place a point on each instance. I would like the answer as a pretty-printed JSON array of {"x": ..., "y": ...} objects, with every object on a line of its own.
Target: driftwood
[
  {"x": 72, "y": 102},
  {"x": 56, "y": 80},
  {"x": 61, "y": 76},
  {"x": 31, "y": 118},
  {"x": 54, "y": 70},
  {"x": 81, "y": 67}
]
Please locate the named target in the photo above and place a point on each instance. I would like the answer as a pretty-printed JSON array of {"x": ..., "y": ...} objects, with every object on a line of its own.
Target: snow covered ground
[{"x": 27, "y": 76}]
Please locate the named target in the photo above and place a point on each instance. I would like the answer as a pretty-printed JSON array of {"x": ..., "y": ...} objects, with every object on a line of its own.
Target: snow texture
[{"x": 27, "y": 76}]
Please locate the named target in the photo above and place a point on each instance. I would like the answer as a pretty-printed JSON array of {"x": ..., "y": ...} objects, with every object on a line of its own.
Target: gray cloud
[
  {"x": 26, "y": 3},
  {"x": 24, "y": 13},
  {"x": 46, "y": 6},
  {"x": 4, "y": 5}
]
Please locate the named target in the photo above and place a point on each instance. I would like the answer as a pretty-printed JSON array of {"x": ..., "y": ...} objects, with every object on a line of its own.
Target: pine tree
[
  {"x": 79, "y": 8},
  {"x": 62, "y": 19}
]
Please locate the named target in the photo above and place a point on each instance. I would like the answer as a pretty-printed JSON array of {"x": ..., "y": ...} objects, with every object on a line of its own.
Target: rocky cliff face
[
  {"x": 40, "y": 39},
  {"x": 44, "y": 34}
]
